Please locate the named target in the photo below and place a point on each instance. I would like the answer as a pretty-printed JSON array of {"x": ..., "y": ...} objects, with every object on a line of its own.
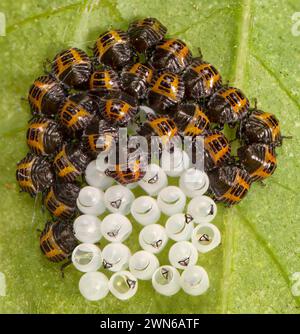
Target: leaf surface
[{"x": 252, "y": 45}]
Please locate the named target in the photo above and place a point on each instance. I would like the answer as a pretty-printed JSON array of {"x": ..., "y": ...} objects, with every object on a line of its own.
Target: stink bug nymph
[
  {"x": 44, "y": 136},
  {"x": 57, "y": 240},
  {"x": 161, "y": 126},
  {"x": 77, "y": 111},
  {"x": 45, "y": 96},
  {"x": 34, "y": 174},
  {"x": 99, "y": 136},
  {"x": 60, "y": 200},
  {"x": 136, "y": 79},
  {"x": 201, "y": 79},
  {"x": 166, "y": 90},
  {"x": 259, "y": 160},
  {"x": 227, "y": 106},
  {"x": 146, "y": 33},
  {"x": 112, "y": 48},
  {"x": 191, "y": 119},
  {"x": 70, "y": 162},
  {"x": 260, "y": 127},
  {"x": 131, "y": 171},
  {"x": 103, "y": 82},
  {"x": 72, "y": 67},
  {"x": 217, "y": 149},
  {"x": 170, "y": 54},
  {"x": 229, "y": 184},
  {"x": 118, "y": 108}
]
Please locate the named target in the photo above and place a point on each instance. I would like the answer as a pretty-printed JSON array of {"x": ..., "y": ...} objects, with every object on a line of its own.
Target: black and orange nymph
[
  {"x": 260, "y": 127},
  {"x": 118, "y": 108},
  {"x": 217, "y": 149},
  {"x": 259, "y": 160},
  {"x": 229, "y": 184},
  {"x": 104, "y": 81},
  {"x": 146, "y": 33},
  {"x": 171, "y": 55},
  {"x": 99, "y": 136},
  {"x": 201, "y": 80},
  {"x": 113, "y": 49},
  {"x": 70, "y": 162},
  {"x": 60, "y": 200},
  {"x": 131, "y": 170},
  {"x": 45, "y": 96},
  {"x": 228, "y": 105},
  {"x": 136, "y": 79},
  {"x": 161, "y": 126},
  {"x": 77, "y": 110},
  {"x": 166, "y": 91},
  {"x": 191, "y": 119},
  {"x": 34, "y": 174},
  {"x": 44, "y": 136},
  {"x": 57, "y": 240},
  {"x": 72, "y": 67}
]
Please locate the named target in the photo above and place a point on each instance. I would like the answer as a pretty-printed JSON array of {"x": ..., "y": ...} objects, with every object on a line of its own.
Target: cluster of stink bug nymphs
[{"x": 78, "y": 108}]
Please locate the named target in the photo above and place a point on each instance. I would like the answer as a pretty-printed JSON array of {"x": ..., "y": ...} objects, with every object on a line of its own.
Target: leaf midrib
[
  {"x": 242, "y": 53},
  {"x": 238, "y": 79}
]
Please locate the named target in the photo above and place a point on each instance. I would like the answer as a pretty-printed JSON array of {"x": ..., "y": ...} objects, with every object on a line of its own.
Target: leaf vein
[
  {"x": 207, "y": 16},
  {"x": 278, "y": 80},
  {"x": 52, "y": 12},
  {"x": 284, "y": 187},
  {"x": 239, "y": 68},
  {"x": 242, "y": 49},
  {"x": 269, "y": 251}
]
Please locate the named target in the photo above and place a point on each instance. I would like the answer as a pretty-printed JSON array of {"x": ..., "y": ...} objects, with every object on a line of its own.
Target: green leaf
[{"x": 252, "y": 44}]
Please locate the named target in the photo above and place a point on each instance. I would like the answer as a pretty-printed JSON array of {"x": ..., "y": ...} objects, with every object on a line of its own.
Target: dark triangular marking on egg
[
  {"x": 165, "y": 273},
  {"x": 204, "y": 237},
  {"x": 153, "y": 180},
  {"x": 184, "y": 262},
  {"x": 157, "y": 243},
  {"x": 106, "y": 265},
  {"x": 116, "y": 204},
  {"x": 188, "y": 218},
  {"x": 113, "y": 234},
  {"x": 131, "y": 283}
]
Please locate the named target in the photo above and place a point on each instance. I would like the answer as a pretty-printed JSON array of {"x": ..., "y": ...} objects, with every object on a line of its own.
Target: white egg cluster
[{"x": 188, "y": 225}]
